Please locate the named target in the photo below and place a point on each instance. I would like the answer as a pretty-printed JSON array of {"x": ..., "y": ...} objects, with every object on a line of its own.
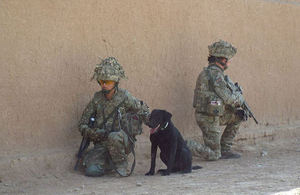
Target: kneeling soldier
[
  {"x": 117, "y": 118},
  {"x": 217, "y": 103}
]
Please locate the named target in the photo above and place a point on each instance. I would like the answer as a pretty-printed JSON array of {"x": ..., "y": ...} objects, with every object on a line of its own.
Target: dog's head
[{"x": 159, "y": 119}]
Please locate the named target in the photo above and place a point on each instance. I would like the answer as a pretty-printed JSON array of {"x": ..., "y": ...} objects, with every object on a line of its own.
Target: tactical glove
[
  {"x": 242, "y": 114},
  {"x": 100, "y": 132},
  {"x": 87, "y": 132},
  {"x": 99, "y": 135}
]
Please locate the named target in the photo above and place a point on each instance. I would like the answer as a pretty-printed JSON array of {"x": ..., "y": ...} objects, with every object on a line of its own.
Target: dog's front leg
[
  {"x": 171, "y": 158},
  {"x": 153, "y": 159}
]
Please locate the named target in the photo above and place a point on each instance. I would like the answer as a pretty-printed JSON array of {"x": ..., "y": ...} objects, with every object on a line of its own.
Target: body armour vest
[{"x": 205, "y": 98}]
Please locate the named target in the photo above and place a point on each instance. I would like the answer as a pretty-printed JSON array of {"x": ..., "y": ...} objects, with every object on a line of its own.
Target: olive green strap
[
  {"x": 115, "y": 168},
  {"x": 110, "y": 114},
  {"x": 131, "y": 139},
  {"x": 210, "y": 82}
]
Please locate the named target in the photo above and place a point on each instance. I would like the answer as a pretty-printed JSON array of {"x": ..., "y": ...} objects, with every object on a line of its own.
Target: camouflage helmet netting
[
  {"x": 109, "y": 69},
  {"x": 222, "y": 49}
]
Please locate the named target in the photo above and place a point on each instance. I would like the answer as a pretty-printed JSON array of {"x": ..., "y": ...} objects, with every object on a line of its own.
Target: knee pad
[{"x": 94, "y": 171}]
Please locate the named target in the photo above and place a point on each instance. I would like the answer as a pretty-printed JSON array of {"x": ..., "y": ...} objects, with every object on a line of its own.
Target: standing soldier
[
  {"x": 216, "y": 103},
  {"x": 113, "y": 140}
]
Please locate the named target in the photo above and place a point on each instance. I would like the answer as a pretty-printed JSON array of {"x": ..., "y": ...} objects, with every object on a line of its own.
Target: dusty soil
[{"x": 265, "y": 168}]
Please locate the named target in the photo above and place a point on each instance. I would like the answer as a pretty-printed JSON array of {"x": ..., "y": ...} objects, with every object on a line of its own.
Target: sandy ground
[{"x": 265, "y": 168}]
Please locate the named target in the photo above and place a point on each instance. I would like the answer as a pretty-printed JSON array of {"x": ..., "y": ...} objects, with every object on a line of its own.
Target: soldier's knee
[
  {"x": 94, "y": 171},
  {"x": 191, "y": 144},
  {"x": 214, "y": 153},
  {"x": 213, "y": 158}
]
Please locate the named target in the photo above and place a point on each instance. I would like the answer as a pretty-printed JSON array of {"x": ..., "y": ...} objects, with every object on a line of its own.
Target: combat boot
[{"x": 229, "y": 155}]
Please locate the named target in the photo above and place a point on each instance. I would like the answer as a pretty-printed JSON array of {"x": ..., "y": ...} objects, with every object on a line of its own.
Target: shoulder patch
[{"x": 219, "y": 80}]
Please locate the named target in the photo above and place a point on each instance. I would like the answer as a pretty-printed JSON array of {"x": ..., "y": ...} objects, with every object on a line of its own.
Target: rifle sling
[
  {"x": 115, "y": 168},
  {"x": 85, "y": 142},
  {"x": 129, "y": 137},
  {"x": 110, "y": 114}
]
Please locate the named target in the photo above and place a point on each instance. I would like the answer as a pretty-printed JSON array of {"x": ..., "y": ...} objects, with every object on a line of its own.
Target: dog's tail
[{"x": 196, "y": 167}]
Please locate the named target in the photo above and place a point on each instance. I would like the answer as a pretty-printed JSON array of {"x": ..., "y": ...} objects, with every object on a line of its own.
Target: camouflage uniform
[
  {"x": 107, "y": 134},
  {"x": 215, "y": 105}
]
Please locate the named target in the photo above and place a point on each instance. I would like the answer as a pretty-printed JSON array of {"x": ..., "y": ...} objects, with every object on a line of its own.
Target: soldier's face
[
  {"x": 107, "y": 85},
  {"x": 226, "y": 63}
]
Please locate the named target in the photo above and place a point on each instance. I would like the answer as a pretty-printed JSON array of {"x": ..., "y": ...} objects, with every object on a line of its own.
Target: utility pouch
[
  {"x": 201, "y": 104},
  {"x": 215, "y": 108},
  {"x": 132, "y": 123}
]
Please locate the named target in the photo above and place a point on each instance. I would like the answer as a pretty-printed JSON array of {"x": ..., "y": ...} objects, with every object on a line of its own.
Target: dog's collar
[{"x": 163, "y": 128}]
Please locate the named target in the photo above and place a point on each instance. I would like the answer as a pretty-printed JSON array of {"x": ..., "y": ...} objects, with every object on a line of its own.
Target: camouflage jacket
[
  {"x": 212, "y": 86},
  {"x": 102, "y": 108}
]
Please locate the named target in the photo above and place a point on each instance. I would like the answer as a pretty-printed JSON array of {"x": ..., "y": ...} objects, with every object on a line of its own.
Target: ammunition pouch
[{"x": 132, "y": 124}]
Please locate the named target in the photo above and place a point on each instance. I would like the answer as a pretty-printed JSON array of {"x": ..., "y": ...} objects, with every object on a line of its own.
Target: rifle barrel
[
  {"x": 85, "y": 142},
  {"x": 250, "y": 112}
]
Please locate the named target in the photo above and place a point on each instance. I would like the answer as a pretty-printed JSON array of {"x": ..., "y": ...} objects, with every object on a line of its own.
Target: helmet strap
[{"x": 224, "y": 65}]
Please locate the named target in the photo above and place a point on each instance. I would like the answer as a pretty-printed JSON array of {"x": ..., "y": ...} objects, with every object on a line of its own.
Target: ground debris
[
  {"x": 76, "y": 190},
  {"x": 251, "y": 174},
  {"x": 263, "y": 153}
]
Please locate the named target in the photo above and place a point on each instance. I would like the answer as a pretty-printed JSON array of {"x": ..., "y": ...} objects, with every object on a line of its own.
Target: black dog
[{"x": 174, "y": 151}]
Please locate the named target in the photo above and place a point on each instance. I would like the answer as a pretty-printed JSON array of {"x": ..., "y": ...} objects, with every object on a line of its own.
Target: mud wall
[{"x": 48, "y": 50}]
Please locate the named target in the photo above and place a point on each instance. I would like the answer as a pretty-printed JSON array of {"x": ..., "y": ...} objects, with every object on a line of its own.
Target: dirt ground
[{"x": 266, "y": 167}]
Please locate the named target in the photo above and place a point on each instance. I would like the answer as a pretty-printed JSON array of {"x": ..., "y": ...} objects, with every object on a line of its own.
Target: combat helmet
[
  {"x": 109, "y": 69},
  {"x": 222, "y": 49}
]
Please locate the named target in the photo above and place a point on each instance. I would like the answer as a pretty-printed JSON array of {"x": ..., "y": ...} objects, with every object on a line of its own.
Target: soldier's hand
[
  {"x": 97, "y": 134},
  {"x": 100, "y": 133},
  {"x": 87, "y": 132},
  {"x": 242, "y": 114}
]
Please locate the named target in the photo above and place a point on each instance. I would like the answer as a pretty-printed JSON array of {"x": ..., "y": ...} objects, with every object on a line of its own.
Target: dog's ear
[{"x": 167, "y": 116}]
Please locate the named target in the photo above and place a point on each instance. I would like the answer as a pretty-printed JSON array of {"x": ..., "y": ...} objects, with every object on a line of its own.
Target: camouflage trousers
[
  {"x": 97, "y": 160},
  {"x": 215, "y": 141}
]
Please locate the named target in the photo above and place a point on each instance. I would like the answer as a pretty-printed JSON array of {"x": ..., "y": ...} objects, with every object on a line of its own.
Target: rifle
[
  {"x": 85, "y": 142},
  {"x": 245, "y": 106},
  {"x": 237, "y": 88},
  {"x": 131, "y": 139}
]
